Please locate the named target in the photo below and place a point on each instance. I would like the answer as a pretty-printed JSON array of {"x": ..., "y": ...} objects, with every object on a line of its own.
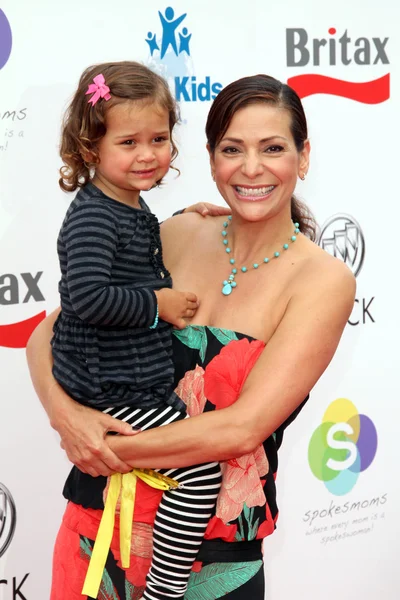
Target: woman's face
[{"x": 256, "y": 163}]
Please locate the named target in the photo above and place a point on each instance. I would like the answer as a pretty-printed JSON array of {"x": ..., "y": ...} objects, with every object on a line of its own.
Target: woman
[{"x": 254, "y": 274}]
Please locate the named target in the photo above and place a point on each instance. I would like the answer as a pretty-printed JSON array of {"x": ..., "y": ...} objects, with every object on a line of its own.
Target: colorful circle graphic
[
  {"x": 5, "y": 39},
  {"x": 342, "y": 447}
]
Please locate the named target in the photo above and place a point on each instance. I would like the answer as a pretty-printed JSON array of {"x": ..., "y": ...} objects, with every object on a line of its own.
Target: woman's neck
[{"x": 253, "y": 241}]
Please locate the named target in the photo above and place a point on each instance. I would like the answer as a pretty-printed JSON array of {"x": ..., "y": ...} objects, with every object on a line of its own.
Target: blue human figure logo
[
  {"x": 184, "y": 39},
  {"x": 169, "y": 27},
  {"x": 152, "y": 42}
]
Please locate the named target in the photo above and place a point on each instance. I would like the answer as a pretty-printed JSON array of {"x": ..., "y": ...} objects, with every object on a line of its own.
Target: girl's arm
[
  {"x": 90, "y": 239},
  {"x": 82, "y": 429}
]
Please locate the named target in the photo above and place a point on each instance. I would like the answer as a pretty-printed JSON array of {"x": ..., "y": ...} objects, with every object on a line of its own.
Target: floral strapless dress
[{"x": 211, "y": 365}]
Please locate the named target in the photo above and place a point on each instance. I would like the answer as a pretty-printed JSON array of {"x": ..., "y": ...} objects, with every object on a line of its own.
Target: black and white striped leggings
[{"x": 183, "y": 514}]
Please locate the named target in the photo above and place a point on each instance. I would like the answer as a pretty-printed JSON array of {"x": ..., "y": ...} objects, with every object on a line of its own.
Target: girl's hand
[
  {"x": 205, "y": 208},
  {"x": 83, "y": 434},
  {"x": 174, "y": 306}
]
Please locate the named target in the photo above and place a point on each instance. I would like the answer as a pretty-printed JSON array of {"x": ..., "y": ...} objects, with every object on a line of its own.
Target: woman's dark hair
[
  {"x": 84, "y": 125},
  {"x": 253, "y": 90}
]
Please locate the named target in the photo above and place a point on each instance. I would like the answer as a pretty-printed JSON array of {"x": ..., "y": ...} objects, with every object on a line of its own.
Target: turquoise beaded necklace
[{"x": 229, "y": 284}]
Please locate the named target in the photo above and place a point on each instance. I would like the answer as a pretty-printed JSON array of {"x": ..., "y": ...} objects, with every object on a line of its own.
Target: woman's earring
[
  {"x": 213, "y": 176},
  {"x": 303, "y": 176}
]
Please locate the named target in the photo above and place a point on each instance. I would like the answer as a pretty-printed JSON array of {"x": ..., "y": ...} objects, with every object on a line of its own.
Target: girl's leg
[
  {"x": 179, "y": 528},
  {"x": 182, "y": 516}
]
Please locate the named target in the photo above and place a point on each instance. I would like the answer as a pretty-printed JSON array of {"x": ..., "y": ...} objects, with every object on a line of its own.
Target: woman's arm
[
  {"x": 293, "y": 360},
  {"x": 82, "y": 430},
  {"x": 290, "y": 365}
]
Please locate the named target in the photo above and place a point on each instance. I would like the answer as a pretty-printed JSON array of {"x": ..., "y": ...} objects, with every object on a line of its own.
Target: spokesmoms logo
[
  {"x": 170, "y": 55},
  {"x": 332, "y": 51},
  {"x": 342, "y": 236},
  {"x": 342, "y": 447},
  {"x": 5, "y": 39},
  {"x": 8, "y": 518}
]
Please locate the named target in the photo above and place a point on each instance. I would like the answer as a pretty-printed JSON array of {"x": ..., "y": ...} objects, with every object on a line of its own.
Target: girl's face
[
  {"x": 135, "y": 152},
  {"x": 256, "y": 163}
]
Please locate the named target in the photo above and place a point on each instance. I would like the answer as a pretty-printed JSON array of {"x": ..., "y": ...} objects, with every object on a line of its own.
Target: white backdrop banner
[{"x": 338, "y": 532}]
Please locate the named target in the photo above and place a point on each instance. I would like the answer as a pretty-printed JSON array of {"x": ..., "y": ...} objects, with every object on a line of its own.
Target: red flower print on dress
[
  {"x": 240, "y": 484},
  {"x": 268, "y": 526},
  {"x": 223, "y": 381},
  {"x": 191, "y": 390},
  {"x": 217, "y": 529},
  {"x": 197, "y": 566},
  {"x": 226, "y": 374}
]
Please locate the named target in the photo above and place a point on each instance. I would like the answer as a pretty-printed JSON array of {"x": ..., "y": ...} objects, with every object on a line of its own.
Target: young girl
[{"x": 112, "y": 339}]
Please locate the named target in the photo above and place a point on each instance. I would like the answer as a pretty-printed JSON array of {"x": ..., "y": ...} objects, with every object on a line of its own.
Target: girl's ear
[{"x": 90, "y": 158}]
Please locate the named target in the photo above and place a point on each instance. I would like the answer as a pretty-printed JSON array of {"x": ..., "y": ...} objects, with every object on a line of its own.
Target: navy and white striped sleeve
[{"x": 90, "y": 236}]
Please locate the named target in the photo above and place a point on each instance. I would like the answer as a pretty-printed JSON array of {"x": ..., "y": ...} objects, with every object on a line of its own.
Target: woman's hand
[
  {"x": 82, "y": 430},
  {"x": 83, "y": 434},
  {"x": 292, "y": 361}
]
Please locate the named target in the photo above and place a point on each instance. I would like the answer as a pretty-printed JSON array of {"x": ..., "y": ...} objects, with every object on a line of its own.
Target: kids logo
[
  {"x": 342, "y": 447},
  {"x": 337, "y": 48},
  {"x": 5, "y": 39},
  {"x": 170, "y": 56}
]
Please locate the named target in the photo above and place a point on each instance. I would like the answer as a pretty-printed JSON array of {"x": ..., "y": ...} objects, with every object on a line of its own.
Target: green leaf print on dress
[
  {"x": 223, "y": 335},
  {"x": 252, "y": 528},
  {"x": 218, "y": 579},
  {"x": 132, "y": 592},
  {"x": 107, "y": 590},
  {"x": 194, "y": 337}
]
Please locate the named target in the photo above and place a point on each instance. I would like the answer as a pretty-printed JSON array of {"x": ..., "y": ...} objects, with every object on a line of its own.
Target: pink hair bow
[{"x": 99, "y": 89}]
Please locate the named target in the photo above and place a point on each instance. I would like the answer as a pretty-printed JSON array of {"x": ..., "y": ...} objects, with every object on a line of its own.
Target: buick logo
[
  {"x": 8, "y": 518},
  {"x": 342, "y": 237}
]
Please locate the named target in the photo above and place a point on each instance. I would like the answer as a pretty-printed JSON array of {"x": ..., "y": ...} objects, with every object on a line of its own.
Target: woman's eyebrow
[{"x": 267, "y": 139}]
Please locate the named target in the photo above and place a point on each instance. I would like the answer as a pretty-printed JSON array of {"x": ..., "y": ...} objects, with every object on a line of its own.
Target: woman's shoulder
[
  {"x": 320, "y": 273},
  {"x": 184, "y": 221},
  {"x": 185, "y": 234},
  {"x": 188, "y": 226}
]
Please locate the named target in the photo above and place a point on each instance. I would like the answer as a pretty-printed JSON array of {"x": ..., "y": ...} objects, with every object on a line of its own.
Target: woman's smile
[{"x": 248, "y": 193}]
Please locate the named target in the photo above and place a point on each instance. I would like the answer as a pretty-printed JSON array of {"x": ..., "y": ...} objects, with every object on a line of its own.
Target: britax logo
[
  {"x": 337, "y": 49},
  {"x": 18, "y": 289},
  {"x": 170, "y": 55}
]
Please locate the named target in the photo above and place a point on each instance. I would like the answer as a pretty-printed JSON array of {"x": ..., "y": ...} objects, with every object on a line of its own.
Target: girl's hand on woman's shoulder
[{"x": 206, "y": 209}]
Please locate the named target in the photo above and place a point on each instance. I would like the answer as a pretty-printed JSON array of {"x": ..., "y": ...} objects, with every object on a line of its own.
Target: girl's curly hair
[{"x": 84, "y": 125}]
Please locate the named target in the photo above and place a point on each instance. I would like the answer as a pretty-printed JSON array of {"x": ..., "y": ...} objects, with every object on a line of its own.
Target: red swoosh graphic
[
  {"x": 16, "y": 335},
  {"x": 368, "y": 92}
]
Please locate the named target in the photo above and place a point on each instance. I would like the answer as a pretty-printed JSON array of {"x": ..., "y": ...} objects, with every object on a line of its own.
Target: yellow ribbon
[{"x": 106, "y": 528}]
